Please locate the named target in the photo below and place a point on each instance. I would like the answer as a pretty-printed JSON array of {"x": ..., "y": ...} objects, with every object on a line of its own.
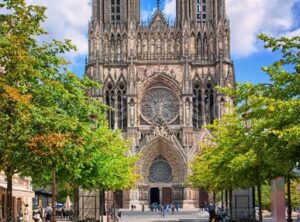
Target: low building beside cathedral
[
  {"x": 22, "y": 197},
  {"x": 160, "y": 78}
]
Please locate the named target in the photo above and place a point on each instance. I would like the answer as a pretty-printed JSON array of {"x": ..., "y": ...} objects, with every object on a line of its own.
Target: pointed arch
[
  {"x": 124, "y": 46},
  {"x": 162, "y": 146},
  {"x": 209, "y": 101},
  {"x": 121, "y": 102},
  {"x": 197, "y": 103},
  {"x": 199, "y": 46},
  {"x": 109, "y": 98},
  {"x": 193, "y": 44},
  {"x": 178, "y": 45},
  {"x": 204, "y": 43},
  {"x": 139, "y": 45}
]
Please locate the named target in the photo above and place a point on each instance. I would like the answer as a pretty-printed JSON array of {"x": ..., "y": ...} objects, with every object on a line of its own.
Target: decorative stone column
[{"x": 160, "y": 194}]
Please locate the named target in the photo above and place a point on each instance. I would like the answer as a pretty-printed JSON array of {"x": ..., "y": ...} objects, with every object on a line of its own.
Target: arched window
[
  {"x": 115, "y": 11},
  {"x": 122, "y": 106},
  {"x": 209, "y": 103},
  {"x": 116, "y": 99},
  {"x": 197, "y": 106},
  {"x": 110, "y": 101}
]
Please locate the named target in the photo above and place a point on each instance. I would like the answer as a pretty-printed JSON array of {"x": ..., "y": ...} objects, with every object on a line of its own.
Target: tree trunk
[
  {"x": 289, "y": 200},
  {"x": 260, "y": 218},
  {"x": 222, "y": 199},
  {"x": 9, "y": 197},
  {"x": 102, "y": 204},
  {"x": 253, "y": 198},
  {"x": 226, "y": 201},
  {"x": 230, "y": 203},
  {"x": 76, "y": 204},
  {"x": 53, "y": 218},
  {"x": 114, "y": 207},
  {"x": 214, "y": 197}
]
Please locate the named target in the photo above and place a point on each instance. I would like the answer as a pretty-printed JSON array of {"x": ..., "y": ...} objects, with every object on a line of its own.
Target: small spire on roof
[{"x": 158, "y": 5}]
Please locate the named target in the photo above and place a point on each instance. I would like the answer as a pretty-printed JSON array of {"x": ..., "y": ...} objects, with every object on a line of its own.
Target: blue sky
[{"x": 69, "y": 19}]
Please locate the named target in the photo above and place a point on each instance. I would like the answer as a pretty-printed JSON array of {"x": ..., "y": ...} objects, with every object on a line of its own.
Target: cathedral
[{"x": 160, "y": 78}]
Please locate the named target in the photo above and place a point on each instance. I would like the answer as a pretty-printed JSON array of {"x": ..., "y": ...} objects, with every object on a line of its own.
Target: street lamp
[{"x": 247, "y": 117}]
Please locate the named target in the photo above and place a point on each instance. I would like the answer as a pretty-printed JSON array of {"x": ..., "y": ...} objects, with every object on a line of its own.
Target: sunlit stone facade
[{"x": 160, "y": 78}]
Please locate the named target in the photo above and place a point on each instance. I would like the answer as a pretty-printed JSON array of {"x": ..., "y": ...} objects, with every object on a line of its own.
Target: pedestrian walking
[
  {"x": 173, "y": 208},
  {"x": 163, "y": 211},
  {"x": 48, "y": 213},
  {"x": 143, "y": 208},
  {"x": 212, "y": 212}
]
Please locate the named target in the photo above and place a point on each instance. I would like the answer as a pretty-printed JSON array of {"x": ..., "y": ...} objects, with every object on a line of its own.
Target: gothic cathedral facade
[{"x": 160, "y": 77}]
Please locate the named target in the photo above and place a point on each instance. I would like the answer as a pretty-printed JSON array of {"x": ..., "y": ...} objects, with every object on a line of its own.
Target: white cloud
[
  {"x": 169, "y": 9},
  {"x": 250, "y": 17},
  {"x": 147, "y": 13},
  {"x": 67, "y": 19}
]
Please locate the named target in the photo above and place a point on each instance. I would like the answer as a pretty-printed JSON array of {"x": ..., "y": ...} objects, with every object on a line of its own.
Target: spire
[{"x": 158, "y": 5}]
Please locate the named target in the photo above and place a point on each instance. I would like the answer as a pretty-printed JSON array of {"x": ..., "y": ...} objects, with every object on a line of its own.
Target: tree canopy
[
  {"x": 48, "y": 122},
  {"x": 244, "y": 156}
]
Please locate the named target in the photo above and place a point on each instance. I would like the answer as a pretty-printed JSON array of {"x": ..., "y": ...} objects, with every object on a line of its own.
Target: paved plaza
[
  {"x": 181, "y": 216},
  {"x": 152, "y": 216}
]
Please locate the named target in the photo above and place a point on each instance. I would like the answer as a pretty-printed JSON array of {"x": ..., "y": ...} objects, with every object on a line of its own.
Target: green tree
[
  {"x": 16, "y": 78},
  {"x": 271, "y": 147},
  {"x": 45, "y": 110}
]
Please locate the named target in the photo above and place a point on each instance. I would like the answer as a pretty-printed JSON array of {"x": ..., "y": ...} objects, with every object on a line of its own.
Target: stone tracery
[{"x": 184, "y": 60}]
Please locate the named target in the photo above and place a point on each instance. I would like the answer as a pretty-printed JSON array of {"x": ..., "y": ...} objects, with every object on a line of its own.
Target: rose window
[
  {"x": 159, "y": 105},
  {"x": 160, "y": 171}
]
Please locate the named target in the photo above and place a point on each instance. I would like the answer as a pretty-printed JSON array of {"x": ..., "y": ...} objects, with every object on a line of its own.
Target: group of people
[
  {"x": 133, "y": 207},
  {"x": 215, "y": 213},
  {"x": 114, "y": 212},
  {"x": 44, "y": 214},
  {"x": 41, "y": 214},
  {"x": 164, "y": 208}
]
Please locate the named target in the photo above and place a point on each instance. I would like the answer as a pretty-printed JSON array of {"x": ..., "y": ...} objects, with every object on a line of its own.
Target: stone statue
[
  {"x": 132, "y": 112},
  {"x": 187, "y": 112}
]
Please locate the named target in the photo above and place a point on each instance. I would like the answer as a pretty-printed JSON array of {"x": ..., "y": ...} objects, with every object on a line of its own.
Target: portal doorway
[
  {"x": 203, "y": 199},
  {"x": 167, "y": 195},
  {"x": 118, "y": 198},
  {"x": 154, "y": 195}
]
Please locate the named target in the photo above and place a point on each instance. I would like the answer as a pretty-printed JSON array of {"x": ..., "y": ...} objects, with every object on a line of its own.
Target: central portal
[
  {"x": 154, "y": 196},
  {"x": 167, "y": 195}
]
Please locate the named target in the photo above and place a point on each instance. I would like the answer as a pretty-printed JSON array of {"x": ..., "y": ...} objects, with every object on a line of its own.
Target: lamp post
[
  {"x": 248, "y": 125},
  {"x": 278, "y": 191}
]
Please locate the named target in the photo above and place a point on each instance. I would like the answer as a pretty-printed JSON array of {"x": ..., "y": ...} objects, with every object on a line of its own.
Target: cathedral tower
[{"x": 160, "y": 79}]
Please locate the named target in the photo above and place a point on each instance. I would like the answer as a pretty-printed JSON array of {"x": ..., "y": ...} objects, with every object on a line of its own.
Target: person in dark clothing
[{"x": 212, "y": 213}]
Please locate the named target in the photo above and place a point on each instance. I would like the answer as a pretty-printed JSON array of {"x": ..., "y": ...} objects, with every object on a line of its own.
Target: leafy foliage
[
  {"x": 244, "y": 157},
  {"x": 47, "y": 120}
]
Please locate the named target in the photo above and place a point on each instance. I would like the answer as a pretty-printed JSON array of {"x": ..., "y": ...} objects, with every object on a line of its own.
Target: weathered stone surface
[{"x": 188, "y": 58}]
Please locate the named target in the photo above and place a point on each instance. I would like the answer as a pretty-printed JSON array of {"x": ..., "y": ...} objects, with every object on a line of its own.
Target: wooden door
[
  {"x": 166, "y": 195},
  {"x": 118, "y": 198},
  {"x": 203, "y": 199}
]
